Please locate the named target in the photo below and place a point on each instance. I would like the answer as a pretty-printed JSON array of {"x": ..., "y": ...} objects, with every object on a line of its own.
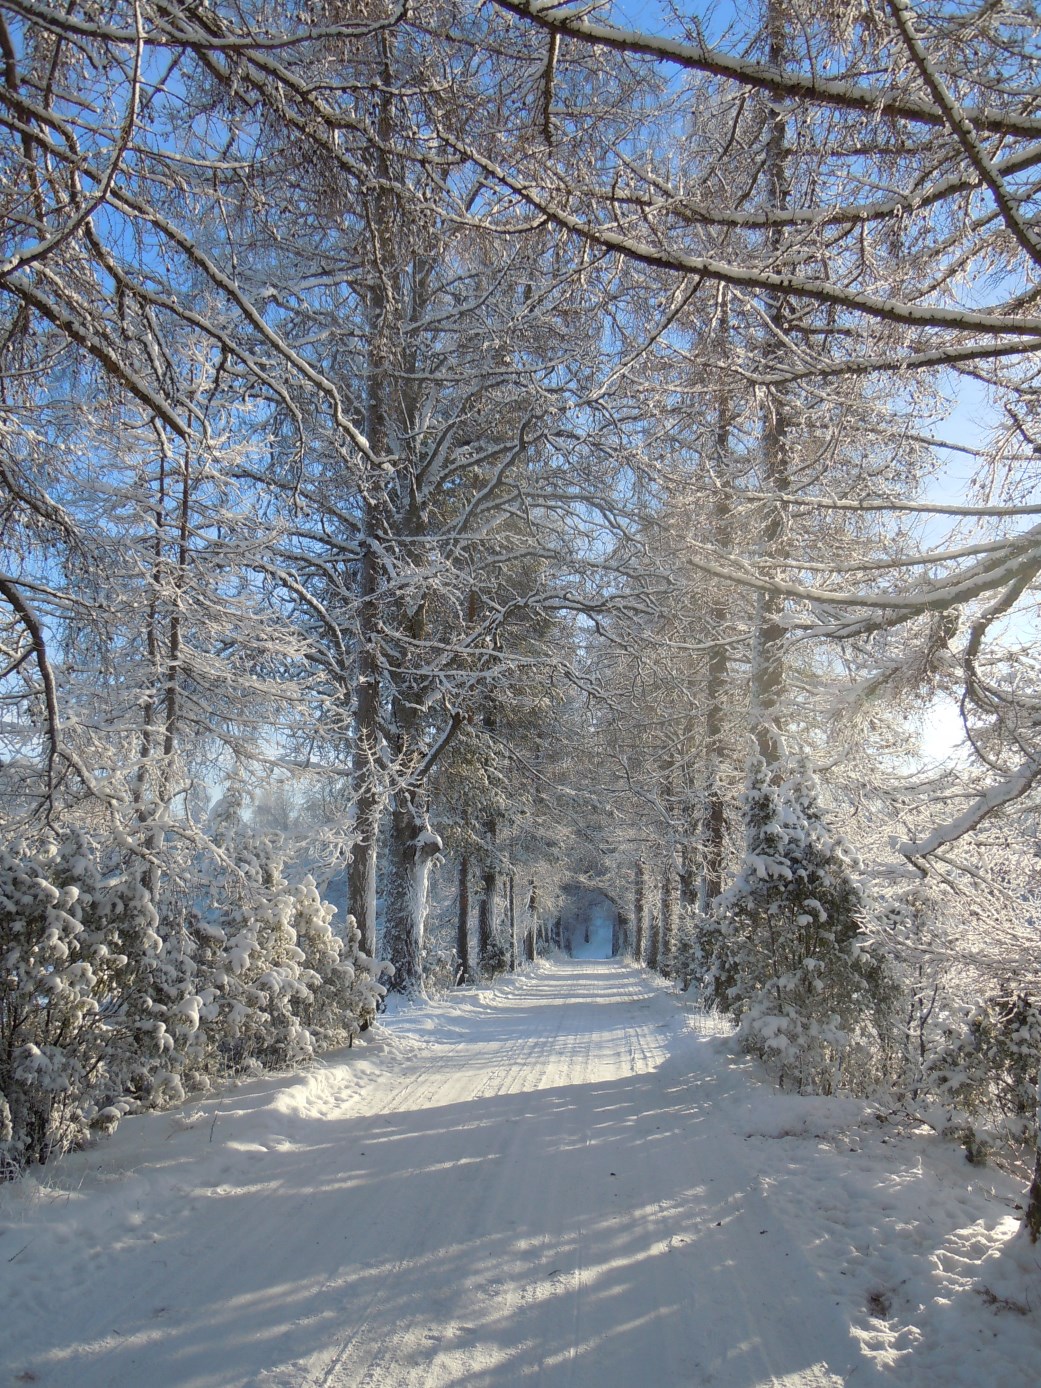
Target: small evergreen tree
[
  {"x": 986, "y": 1071},
  {"x": 77, "y": 1034},
  {"x": 286, "y": 985},
  {"x": 786, "y": 951},
  {"x": 365, "y": 992}
]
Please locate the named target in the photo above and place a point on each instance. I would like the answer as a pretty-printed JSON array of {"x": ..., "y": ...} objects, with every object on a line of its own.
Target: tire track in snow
[
  {"x": 559, "y": 1044},
  {"x": 512, "y": 1066}
]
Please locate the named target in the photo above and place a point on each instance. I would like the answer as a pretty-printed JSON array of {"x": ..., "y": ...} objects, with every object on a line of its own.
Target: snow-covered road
[{"x": 531, "y": 1184}]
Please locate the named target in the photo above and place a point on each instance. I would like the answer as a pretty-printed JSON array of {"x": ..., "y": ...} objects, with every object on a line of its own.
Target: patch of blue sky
[
  {"x": 714, "y": 20},
  {"x": 971, "y": 424}
]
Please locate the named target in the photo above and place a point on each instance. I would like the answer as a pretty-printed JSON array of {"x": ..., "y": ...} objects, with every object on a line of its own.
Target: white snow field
[{"x": 560, "y": 1180}]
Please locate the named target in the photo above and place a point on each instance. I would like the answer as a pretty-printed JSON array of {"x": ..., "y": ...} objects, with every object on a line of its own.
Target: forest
[{"x": 452, "y": 451}]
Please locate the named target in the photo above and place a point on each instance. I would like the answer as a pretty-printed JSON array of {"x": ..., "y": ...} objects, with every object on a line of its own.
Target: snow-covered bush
[
  {"x": 181, "y": 990},
  {"x": 986, "y": 1072},
  {"x": 280, "y": 983},
  {"x": 495, "y": 958},
  {"x": 77, "y": 1033},
  {"x": 256, "y": 1024},
  {"x": 366, "y": 992},
  {"x": 785, "y": 950},
  {"x": 108, "y": 1005},
  {"x": 690, "y": 962},
  {"x": 342, "y": 988},
  {"x": 441, "y": 968}
]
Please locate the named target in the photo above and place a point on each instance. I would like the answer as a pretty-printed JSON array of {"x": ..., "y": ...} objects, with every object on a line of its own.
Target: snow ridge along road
[{"x": 527, "y": 1184}]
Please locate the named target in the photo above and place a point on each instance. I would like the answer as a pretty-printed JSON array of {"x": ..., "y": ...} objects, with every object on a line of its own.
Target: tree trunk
[
  {"x": 487, "y": 921},
  {"x": 768, "y": 638},
  {"x": 639, "y": 910},
  {"x": 365, "y": 776},
  {"x": 1033, "y": 1214},
  {"x": 361, "y": 873},
  {"x": 620, "y": 941},
  {"x": 462, "y": 934},
  {"x": 145, "y": 790},
  {"x": 667, "y": 929},
  {"x": 411, "y": 850},
  {"x": 688, "y": 882},
  {"x": 653, "y": 941},
  {"x": 511, "y": 916},
  {"x": 716, "y": 673},
  {"x": 532, "y": 928}
]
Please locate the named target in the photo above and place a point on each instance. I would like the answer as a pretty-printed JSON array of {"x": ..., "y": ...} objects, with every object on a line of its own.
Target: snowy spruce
[{"x": 786, "y": 950}]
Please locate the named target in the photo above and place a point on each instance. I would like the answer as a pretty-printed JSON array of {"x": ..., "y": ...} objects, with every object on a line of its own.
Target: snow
[
  {"x": 992, "y": 798},
  {"x": 567, "y": 1178}
]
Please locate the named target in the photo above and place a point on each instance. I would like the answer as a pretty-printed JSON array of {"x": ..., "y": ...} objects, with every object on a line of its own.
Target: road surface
[{"x": 538, "y": 1191}]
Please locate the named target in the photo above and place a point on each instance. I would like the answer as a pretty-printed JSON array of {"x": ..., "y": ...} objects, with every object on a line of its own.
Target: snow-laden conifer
[
  {"x": 281, "y": 987},
  {"x": 77, "y": 1032},
  {"x": 986, "y": 1072},
  {"x": 787, "y": 953}
]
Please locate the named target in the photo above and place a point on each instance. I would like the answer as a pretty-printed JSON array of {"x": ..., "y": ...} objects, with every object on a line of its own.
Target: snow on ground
[{"x": 564, "y": 1179}]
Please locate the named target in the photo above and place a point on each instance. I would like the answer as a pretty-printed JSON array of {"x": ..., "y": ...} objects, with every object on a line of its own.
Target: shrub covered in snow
[
  {"x": 108, "y": 1004},
  {"x": 986, "y": 1072},
  {"x": 77, "y": 1034},
  {"x": 284, "y": 984},
  {"x": 785, "y": 951},
  {"x": 365, "y": 992}
]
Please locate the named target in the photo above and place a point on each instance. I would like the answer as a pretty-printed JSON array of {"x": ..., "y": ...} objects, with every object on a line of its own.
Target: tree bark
[
  {"x": 532, "y": 928},
  {"x": 667, "y": 929},
  {"x": 511, "y": 916},
  {"x": 462, "y": 933},
  {"x": 716, "y": 676},
  {"x": 639, "y": 910},
  {"x": 412, "y": 849},
  {"x": 653, "y": 941},
  {"x": 487, "y": 911},
  {"x": 361, "y": 873},
  {"x": 1032, "y": 1217},
  {"x": 361, "y": 878},
  {"x": 620, "y": 941},
  {"x": 769, "y": 634}
]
